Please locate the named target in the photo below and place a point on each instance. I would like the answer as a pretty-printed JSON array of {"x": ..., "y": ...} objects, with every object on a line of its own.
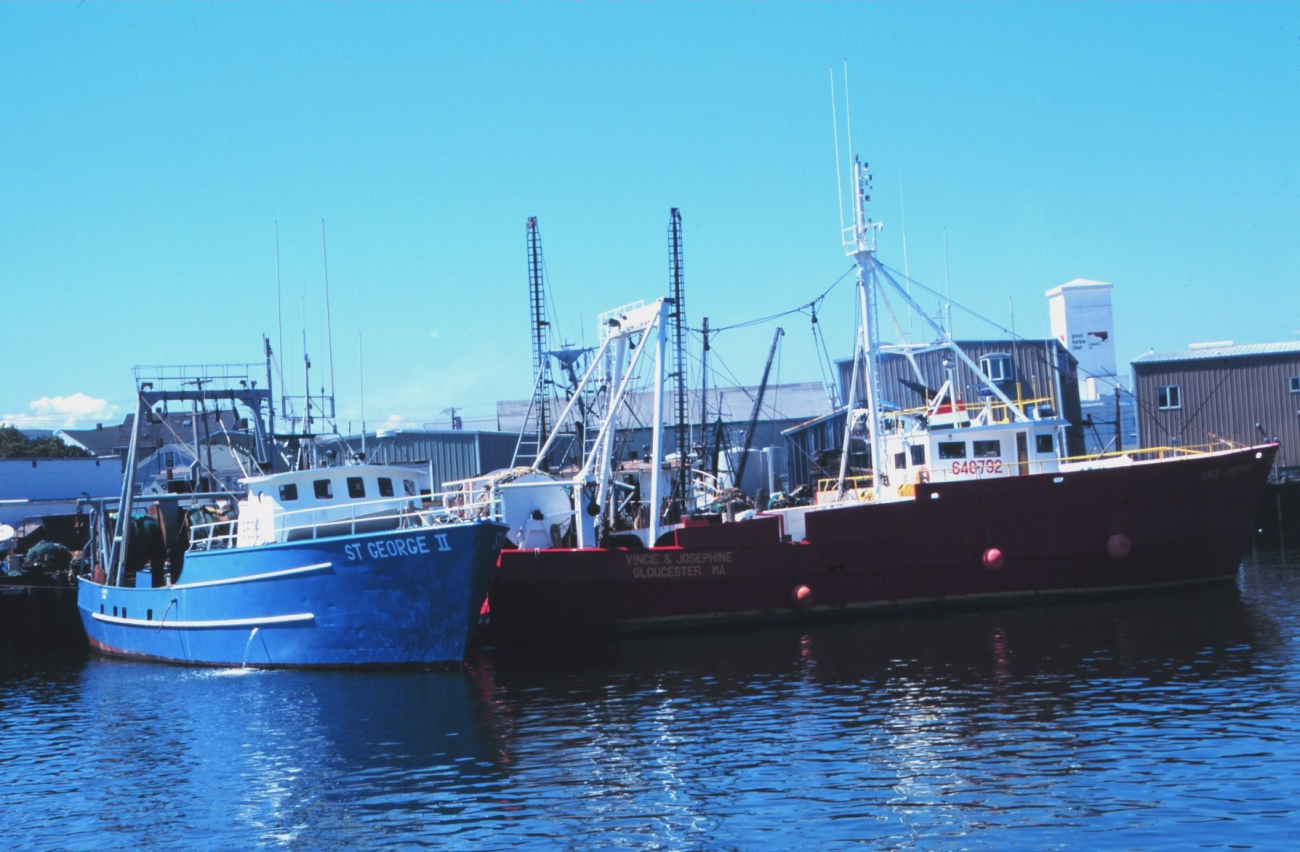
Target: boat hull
[
  {"x": 397, "y": 598},
  {"x": 1147, "y": 525}
]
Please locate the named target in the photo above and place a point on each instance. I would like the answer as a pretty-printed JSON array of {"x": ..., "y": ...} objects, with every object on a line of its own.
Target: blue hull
[{"x": 397, "y": 598}]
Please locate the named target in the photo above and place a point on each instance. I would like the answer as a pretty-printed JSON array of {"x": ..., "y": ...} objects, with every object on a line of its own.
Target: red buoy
[
  {"x": 1118, "y": 546},
  {"x": 992, "y": 559},
  {"x": 801, "y": 597}
]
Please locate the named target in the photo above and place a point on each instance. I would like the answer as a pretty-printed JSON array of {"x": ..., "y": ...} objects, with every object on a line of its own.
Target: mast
[
  {"x": 656, "y": 436},
  {"x": 266, "y": 344},
  {"x": 704, "y": 397},
  {"x": 860, "y": 244},
  {"x": 122, "y": 530},
  {"x": 758, "y": 409},
  {"x": 678, "y": 317},
  {"x": 541, "y": 360}
]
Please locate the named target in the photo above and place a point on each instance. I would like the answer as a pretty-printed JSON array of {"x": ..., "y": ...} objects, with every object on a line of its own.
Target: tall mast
[
  {"x": 541, "y": 360},
  {"x": 860, "y": 244},
  {"x": 678, "y": 317},
  {"x": 704, "y": 395}
]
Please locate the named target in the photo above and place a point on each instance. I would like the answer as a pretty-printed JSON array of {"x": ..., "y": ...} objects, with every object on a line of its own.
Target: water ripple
[{"x": 1136, "y": 724}]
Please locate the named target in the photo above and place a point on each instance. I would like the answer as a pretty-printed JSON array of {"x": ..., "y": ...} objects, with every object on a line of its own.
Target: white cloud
[{"x": 64, "y": 412}]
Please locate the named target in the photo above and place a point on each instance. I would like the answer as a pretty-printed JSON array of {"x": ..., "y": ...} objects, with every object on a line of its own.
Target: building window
[
  {"x": 1295, "y": 384},
  {"x": 997, "y": 367},
  {"x": 356, "y": 487},
  {"x": 918, "y": 455},
  {"x": 385, "y": 487},
  {"x": 900, "y": 461},
  {"x": 952, "y": 449},
  {"x": 288, "y": 492},
  {"x": 1169, "y": 397},
  {"x": 324, "y": 490},
  {"x": 1044, "y": 443},
  {"x": 988, "y": 449}
]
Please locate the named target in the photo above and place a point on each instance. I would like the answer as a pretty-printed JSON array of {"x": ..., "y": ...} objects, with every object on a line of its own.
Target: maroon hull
[{"x": 1187, "y": 520}]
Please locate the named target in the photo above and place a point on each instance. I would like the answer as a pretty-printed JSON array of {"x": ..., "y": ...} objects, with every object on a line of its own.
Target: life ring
[{"x": 923, "y": 476}]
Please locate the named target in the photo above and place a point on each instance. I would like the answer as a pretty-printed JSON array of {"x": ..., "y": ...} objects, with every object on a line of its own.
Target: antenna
[
  {"x": 902, "y": 203},
  {"x": 361, "y": 377},
  {"x": 947, "y": 323},
  {"x": 279, "y": 314},
  {"x": 835, "y": 126},
  {"x": 306, "y": 360},
  {"x": 848, "y": 117},
  {"x": 329, "y": 327}
]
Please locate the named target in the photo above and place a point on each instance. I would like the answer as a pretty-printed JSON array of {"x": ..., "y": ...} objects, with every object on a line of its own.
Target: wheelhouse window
[
  {"x": 288, "y": 491},
  {"x": 385, "y": 487},
  {"x": 1169, "y": 397},
  {"x": 998, "y": 367},
  {"x": 409, "y": 485},
  {"x": 918, "y": 455},
  {"x": 900, "y": 461},
  {"x": 324, "y": 489},
  {"x": 952, "y": 449},
  {"x": 1044, "y": 443},
  {"x": 169, "y": 457},
  {"x": 988, "y": 449},
  {"x": 356, "y": 487}
]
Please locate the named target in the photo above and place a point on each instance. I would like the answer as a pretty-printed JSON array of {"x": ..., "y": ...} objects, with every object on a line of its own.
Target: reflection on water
[{"x": 1136, "y": 723}]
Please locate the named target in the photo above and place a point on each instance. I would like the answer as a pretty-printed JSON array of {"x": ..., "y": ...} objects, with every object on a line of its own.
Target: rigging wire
[
  {"x": 804, "y": 308},
  {"x": 824, "y": 363}
]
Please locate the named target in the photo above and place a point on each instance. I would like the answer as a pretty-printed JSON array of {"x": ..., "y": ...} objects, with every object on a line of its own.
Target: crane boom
[{"x": 758, "y": 407}]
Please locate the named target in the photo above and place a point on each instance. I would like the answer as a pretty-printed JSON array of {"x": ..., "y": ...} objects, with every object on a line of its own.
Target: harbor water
[{"x": 1167, "y": 720}]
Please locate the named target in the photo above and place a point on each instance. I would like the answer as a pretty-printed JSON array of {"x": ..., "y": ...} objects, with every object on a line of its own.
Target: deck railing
[
  {"x": 350, "y": 518},
  {"x": 860, "y": 488}
]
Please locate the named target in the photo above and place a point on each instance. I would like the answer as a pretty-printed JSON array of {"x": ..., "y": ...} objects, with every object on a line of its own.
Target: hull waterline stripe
[
  {"x": 200, "y": 625},
  {"x": 270, "y": 575}
]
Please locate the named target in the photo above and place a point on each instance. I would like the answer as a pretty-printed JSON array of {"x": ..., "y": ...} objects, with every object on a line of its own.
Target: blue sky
[{"x": 147, "y": 152}]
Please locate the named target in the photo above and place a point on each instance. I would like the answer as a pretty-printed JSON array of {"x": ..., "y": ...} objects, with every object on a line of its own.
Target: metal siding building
[
  {"x": 1222, "y": 393},
  {"x": 813, "y": 449},
  {"x": 448, "y": 454}
]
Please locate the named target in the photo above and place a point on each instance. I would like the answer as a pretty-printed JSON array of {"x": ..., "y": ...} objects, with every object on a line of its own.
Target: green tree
[{"x": 16, "y": 445}]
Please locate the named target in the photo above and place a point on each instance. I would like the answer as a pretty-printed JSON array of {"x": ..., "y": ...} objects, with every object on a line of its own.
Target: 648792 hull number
[{"x": 977, "y": 466}]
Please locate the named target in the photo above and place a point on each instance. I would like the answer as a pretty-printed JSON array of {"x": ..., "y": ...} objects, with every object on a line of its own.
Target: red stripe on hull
[{"x": 1187, "y": 520}]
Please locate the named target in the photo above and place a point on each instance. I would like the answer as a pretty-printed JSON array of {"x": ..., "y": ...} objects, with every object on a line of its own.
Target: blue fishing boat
[{"x": 343, "y": 565}]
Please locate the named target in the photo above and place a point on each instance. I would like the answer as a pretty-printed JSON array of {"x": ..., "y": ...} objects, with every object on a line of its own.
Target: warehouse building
[{"x": 1213, "y": 394}]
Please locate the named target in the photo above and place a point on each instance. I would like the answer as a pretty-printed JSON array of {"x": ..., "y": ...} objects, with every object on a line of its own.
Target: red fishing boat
[{"x": 966, "y": 503}]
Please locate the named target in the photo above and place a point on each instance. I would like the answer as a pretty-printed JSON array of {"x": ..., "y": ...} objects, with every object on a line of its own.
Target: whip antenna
[
  {"x": 835, "y": 126},
  {"x": 329, "y": 326}
]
